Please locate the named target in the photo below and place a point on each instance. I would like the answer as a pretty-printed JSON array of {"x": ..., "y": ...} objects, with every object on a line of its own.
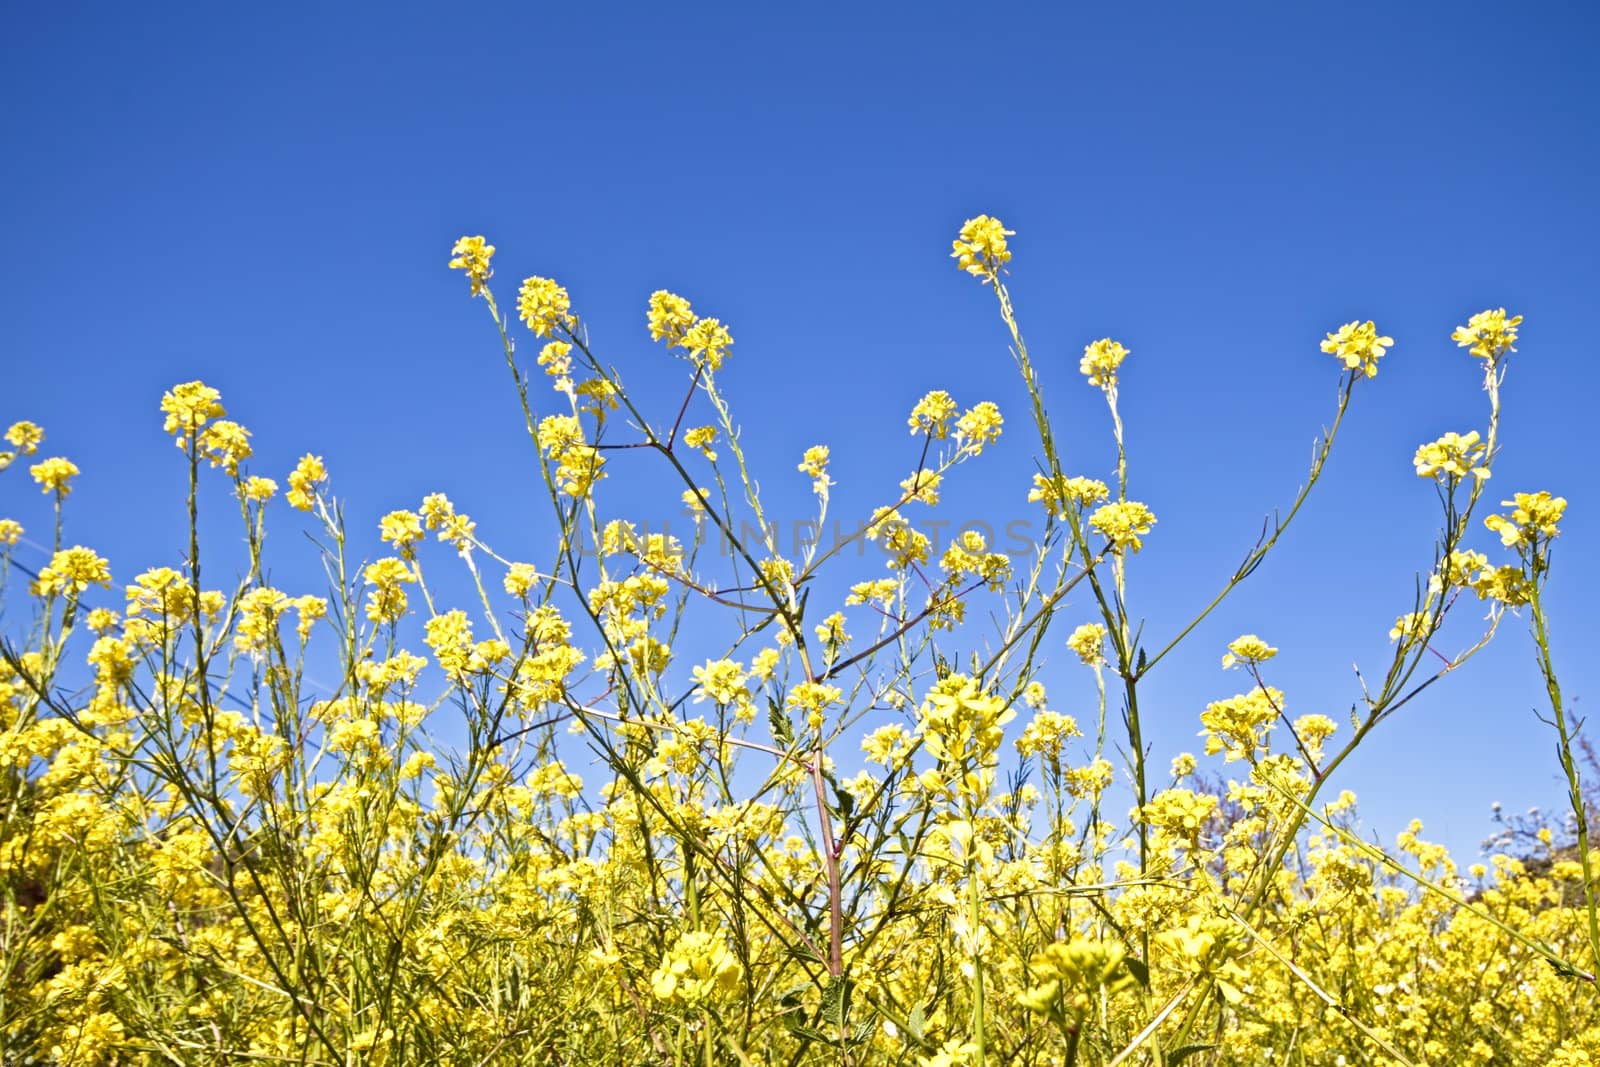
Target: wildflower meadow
[{"x": 631, "y": 796}]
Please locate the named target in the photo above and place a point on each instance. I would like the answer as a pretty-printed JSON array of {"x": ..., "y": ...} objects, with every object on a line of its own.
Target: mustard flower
[
  {"x": 1452, "y": 457},
  {"x": 702, "y": 437},
  {"x": 669, "y": 317},
  {"x": 25, "y": 437},
  {"x": 520, "y": 578},
  {"x": 1249, "y": 650},
  {"x": 1123, "y": 523},
  {"x": 980, "y": 426},
  {"x": 698, "y": 968},
  {"x": 1488, "y": 334},
  {"x": 72, "y": 570},
  {"x": 709, "y": 340},
  {"x": 225, "y": 443},
  {"x": 472, "y": 254},
  {"x": 258, "y": 490},
  {"x": 1358, "y": 346},
  {"x": 303, "y": 481},
  {"x": 932, "y": 415},
  {"x": 545, "y": 306},
  {"x": 1411, "y": 626},
  {"x": 1088, "y": 641},
  {"x": 402, "y": 529},
  {"x": 188, "y": 407},
  {"x": 1057, "y": 493},
  {"x": 54, "y": 475},
  {"x": 1100, "y": 362},
  {"x": 981, "y": 250},
  {"x": 721, "y": 680},
  {"x": 1534, "y": 519},
  {"x": 386, "y": 602},
  {"x": 10, "y": 531}
]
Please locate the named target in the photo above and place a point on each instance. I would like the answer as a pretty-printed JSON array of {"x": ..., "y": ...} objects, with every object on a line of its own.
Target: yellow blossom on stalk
[
  {"x": 257, "y": 627},
  {"x": 520, "y": 578},
  {"x": 450, "y": 637},
  {"x": 1534, "y": 519},
  {"x": 1358, "y": 346},
  {"x": 1249, "y": 650},
  {"x": 1239, "y": 725},
  {"x": 980, "y": 426},
  {"x": 1505, "y": 585},
  {"x": 402, "y": 529},
  {"x": 698, "y": 968},
  {"x": 921, "y": 486},
  {"x": 458, "y": 530},
  {"x": 188, "y": 407},
  {"x": 952, "y": 1053},
  {"x": 72, "y": 570},
  {"x": 1045, "y": 735},
  {"x": 1100, "y": 362},
  {"x": 1411, "y": 626},
  {"x": 1454, "y": 456},
  {"x": 54, "y": 475},
  {"x": 981, "y": 250},
  {"x": 387, "y": 600},
  {"x": 225, "y": 443},
  {"x": 764, "y": 664},
  {"x": 814, "y": 699},
  {"x": 25, "y": 437},
  {"x": 709, "y": 340},
  {"x": 310, "y": 609},
  {"x": 1056, "y": 493},
  {"x": 556, "y": 359},
  {"x": 1071, "y": 978},
  {"x": 437, "y": 510},
  {"x": 932, "y": 415},
  {"x": 1181, "y": 813},
  {"x": 831, "y": 630},
  {"x": 545, "y": 306},
  {"x": 880, "y": 591},
  {"x": 959, "y": 721},
  {"x": 1123, "y": 523},
  {"x": 722, "y": 680},
  {"x": 258, "y": 490},
  {"x": 702, "y": 437},
  {"x": 472, "y": 254},
  {"x": 669, "y": 317},
  {"x": 1488, "y": 334},
  {"x": 815, "y": 464},
  {"x": 303, "y": 481},
  {"x": 10, "y": 531},
  {"x": 1088, "y": 641}
]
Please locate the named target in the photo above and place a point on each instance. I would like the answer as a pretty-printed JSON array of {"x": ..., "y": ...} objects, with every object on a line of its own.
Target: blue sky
[{"x": 266, "y": 200}]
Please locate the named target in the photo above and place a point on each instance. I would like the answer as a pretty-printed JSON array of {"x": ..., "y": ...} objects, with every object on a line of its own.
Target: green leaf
[
  {"x": 1183, "y": 1052},
  {"x": 836, "y": 1000},
  {"x": 1139, "y": 969},
  {"x": 782, "y": 732}
]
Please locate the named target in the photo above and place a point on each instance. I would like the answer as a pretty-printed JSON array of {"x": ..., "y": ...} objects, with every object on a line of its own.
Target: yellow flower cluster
[
  {"x": 1453, "y": 457},
  {"x": 1358, "y": 346},
  {"x": 1100, "y": 362},
  {"x": 1488, "y": 334},
  {"x": 981, "y": 248},
  {"x": 1123, "y": 523}
]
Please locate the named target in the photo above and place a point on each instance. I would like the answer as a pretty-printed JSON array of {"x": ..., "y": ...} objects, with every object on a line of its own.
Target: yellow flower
[
  {"x": 1411, "y": 626},
  {"x": 669, "y": 317},
  {"x": 981, "y": 249},
  {"x": 387, "y": 601},
  {"x": 54, "y": 475},
  {"x": 696, "y": 969},
  {"x": 72, "y": 570},
  {"x": 1100, "y": 362},
  {"x": 1088, "y": 641},
  {"x": 556, "y": 359},
  {"x": 702, "y": 437},
  {"x": 707, "y": 339},
  {"x": 472, "y": 255},
  {"x": 188, "y": 407},
  {"x": 1454, "y": 456},
  {"x": 303, "y": 480},
  {"x": 1247, "y": 649},
  {"x": 520, "y": 577},
  {"x": 1056, "y": 493},
  {"x": 1358, "y": 346},
  {"x": 1488, "y": 334},
  {"x": 980, "y": 426},
  {"x": 722, "y": 680},
  {"x": 257, "y": 489},
  {"x": 932, "y": 415},
  {"x": 10, "y": 531},
  {"x": 225, "y": 443},
  {"x": 1534, "y": 518},
  {"x": 1123, "y": 523},
  {"x": 26, "y": 437},
  {"x": 545, "y": 306}
]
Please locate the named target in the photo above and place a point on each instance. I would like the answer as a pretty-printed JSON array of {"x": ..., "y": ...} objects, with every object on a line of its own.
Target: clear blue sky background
[{"x": 266, "y": 200}]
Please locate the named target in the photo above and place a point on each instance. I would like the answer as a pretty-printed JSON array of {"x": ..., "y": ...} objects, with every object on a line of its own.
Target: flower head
[
  {"x": 188, "y": 407},
  {"x": 981, "y": 248},
  {"x": 54, "y": 475},
  {"x": 669, "y": 317},
  {"x": 1100, "y": 362},
  {"x": 1452, "y": 457},
  {"x": 1488, "y": 334},
  {"x": 1358, "y": 346},
  {"x": 472, "y": 254},
  {"x": 545, "y": 306}
]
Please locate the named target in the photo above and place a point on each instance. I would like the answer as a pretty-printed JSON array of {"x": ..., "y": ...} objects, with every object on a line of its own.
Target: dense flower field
[{"x": 858, "y": 832}]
